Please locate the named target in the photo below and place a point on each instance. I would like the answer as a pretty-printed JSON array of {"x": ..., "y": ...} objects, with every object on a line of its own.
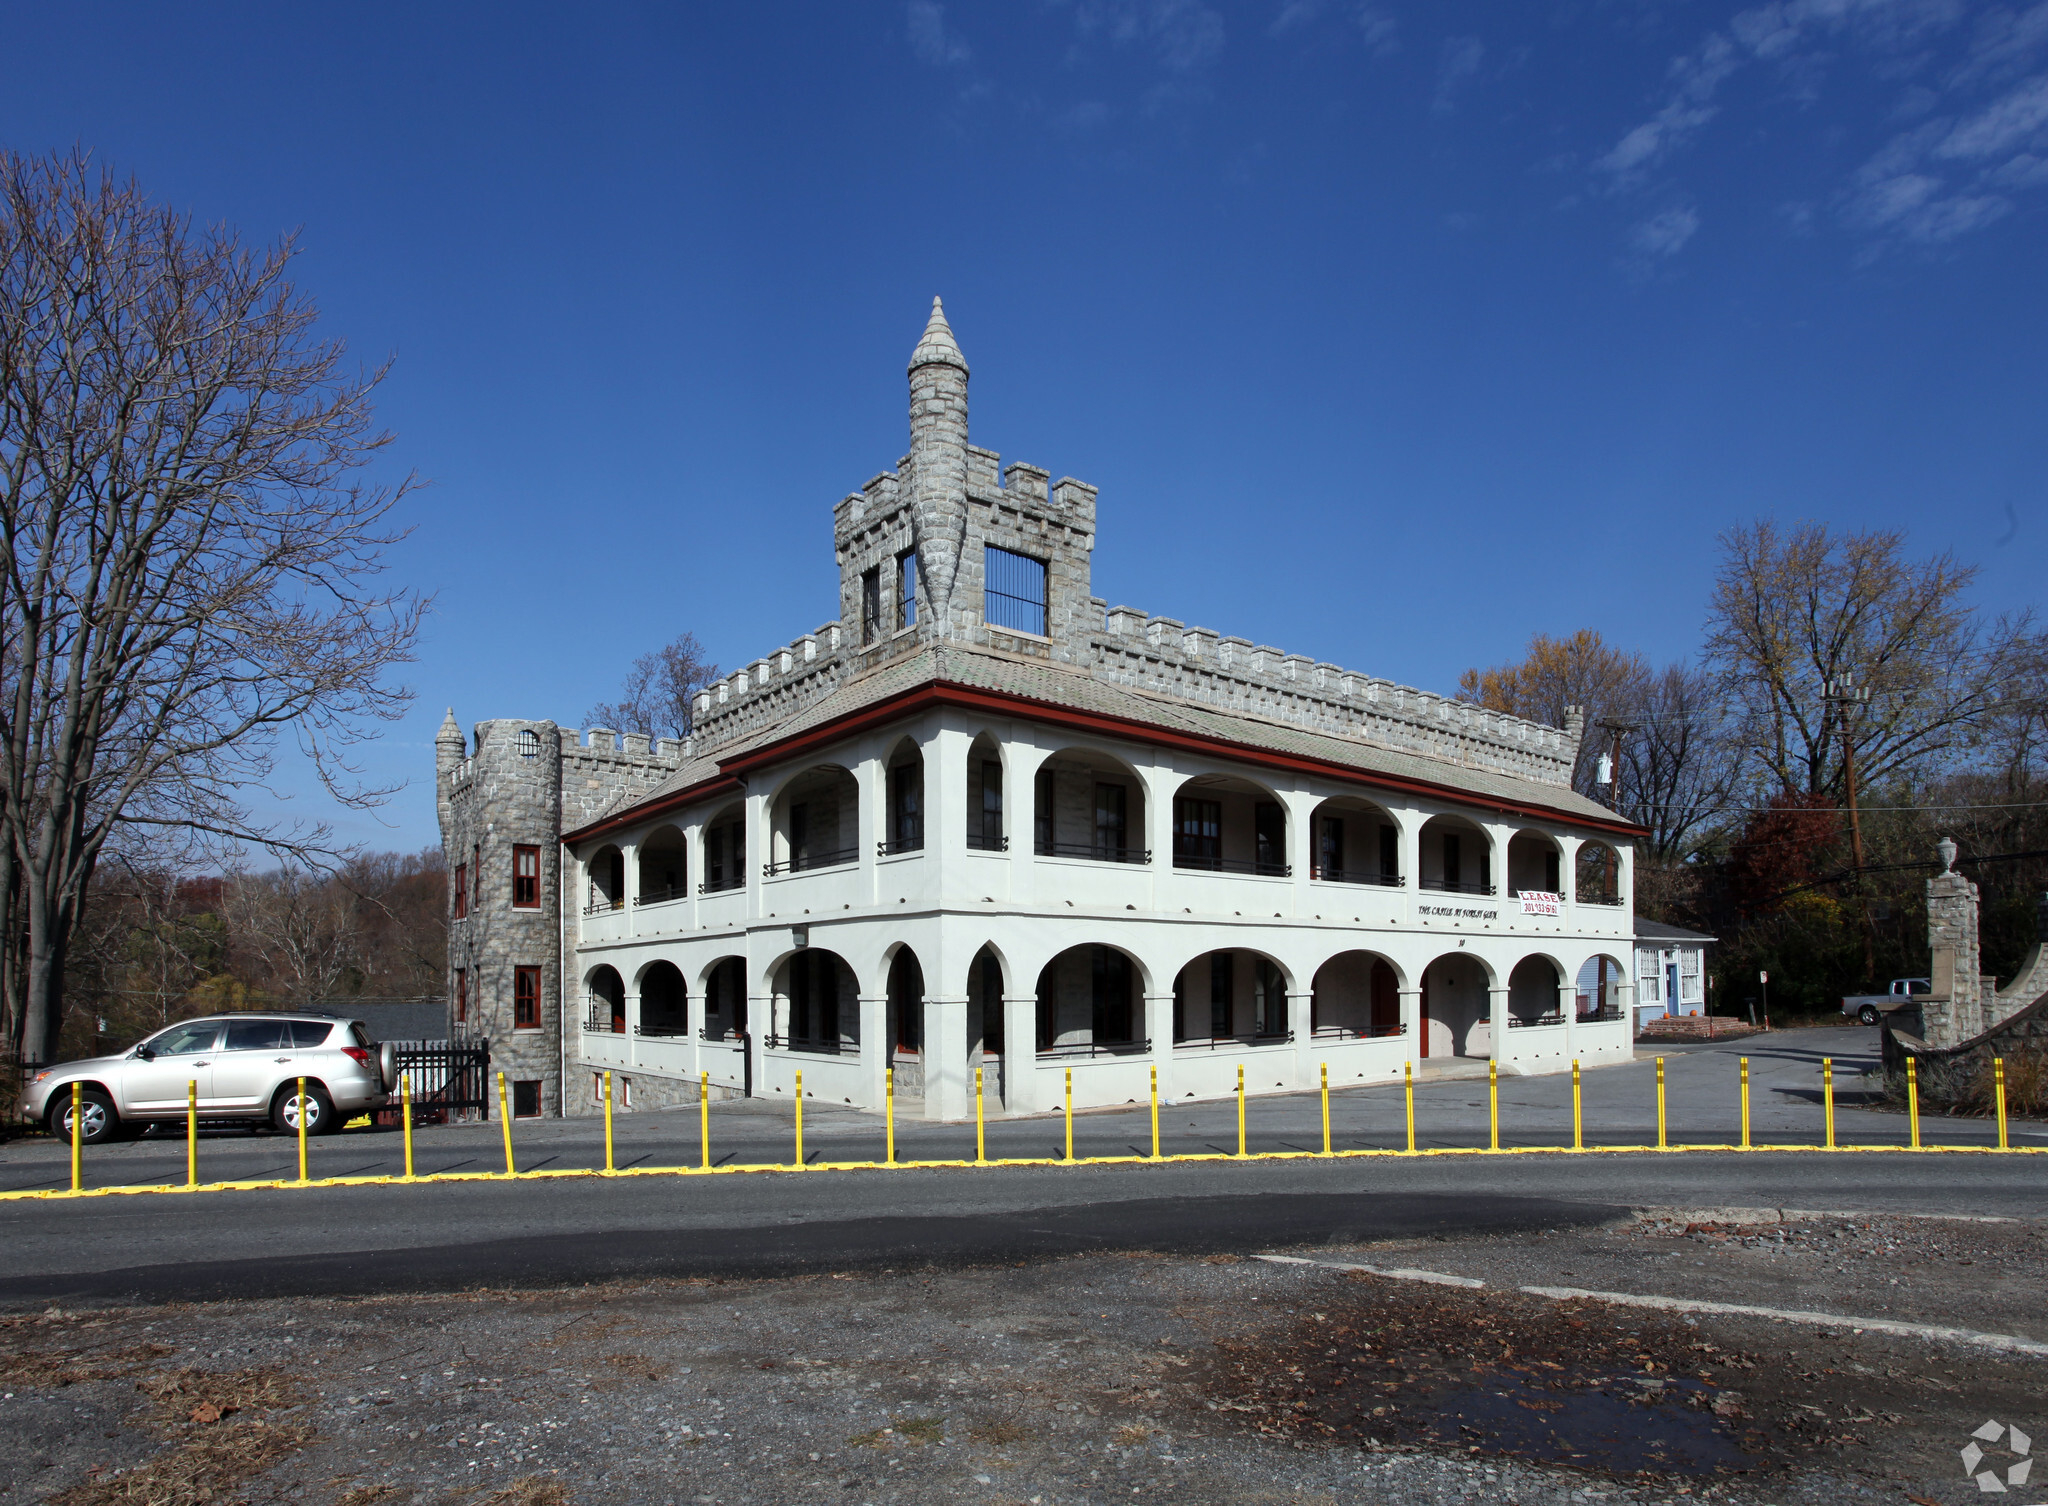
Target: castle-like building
[{"x": 982, "y": 819}]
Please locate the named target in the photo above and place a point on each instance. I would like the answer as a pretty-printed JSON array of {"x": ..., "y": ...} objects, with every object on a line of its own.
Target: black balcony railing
[
  {"x": 1597, "y": 899},
  {"x": 1604, "y": 1014},
  {"x": 662, "y": 1029},
  {"x": 721, "y": 885},
  {"x": 1444, "y": 886},
  {"x": 816, "y": 1045},
  {"x": 1355, "y": 876},
  {"x": 1200, "y": 863},
  {"x": 1211, "y": 1043},
  {"x": 603, "y": 906},
  {"x": 1098, "y": 852},
  {"x": 602, "y": 1021},
  {"x": 1518, "y": 1022},
  {"x": 889, "y": 849},
  {"x": 1348, "y": 1033},
  {"x": 805, "y": 862},
  {"x": 720, "y": 1033},
  {"x": 1085, "y": 1049},
  {"x": 980, "y": 842},
  {"x": 663, "y": 895}
]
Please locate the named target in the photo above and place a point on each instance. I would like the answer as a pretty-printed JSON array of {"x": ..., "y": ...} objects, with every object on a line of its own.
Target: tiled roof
[
  {"x": 1656, "y": 930},
  {"x": 1074, "y": 689}
]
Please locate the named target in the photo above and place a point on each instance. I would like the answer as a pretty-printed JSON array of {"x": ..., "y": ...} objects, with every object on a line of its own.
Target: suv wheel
[
  {"x": 98, "y": 1123},
  {"x": 1867, "y": 1014},
  {"x": 317, "y": 1107}
]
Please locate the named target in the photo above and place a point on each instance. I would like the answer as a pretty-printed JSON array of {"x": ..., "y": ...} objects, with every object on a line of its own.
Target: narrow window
[
  {"x": 526, "y": 1098},
  {"x": 1197, "y": 833},
  {"x": 991, "y": 993},
  {"x": 476, "y": 873},
  {"x": 529, "y": 743},
  {"x": 1013, "y": 591},
  {"x": 1042, "y": 828},
  {"x": 906, "y": 589},
  {"x": 1330, "y": 847},
  {"x": 1222, "y": 977},
  {"x": 991, "y": 805},
  {"x": 870, "y": 604},
  {"x": 461, "y": 995},
  {"x": 1390, "y": 853},
  {"x": 1109, "y": 822},
  {"x": 461, "y": 894},
  {"x": 526, "y": 998},
  {"x": 526, "y": 878},
  {"x": 1180, "y": 1006},
  {"x": 1453, "y": 867},
  {"x": 1269, "y": 825},
  {"x": 906, "y": 813}
]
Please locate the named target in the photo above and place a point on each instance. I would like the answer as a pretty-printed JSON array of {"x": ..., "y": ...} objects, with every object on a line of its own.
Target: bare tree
[
  {"x": 299, "y": 928},
  {"x": 1796, "y": 608},
  {"x": 1679, "y": 765},
  {"x": 187, "y": 561},
  {"x": 1556, "y": 674},
  {"x": 659, "y": 690}
]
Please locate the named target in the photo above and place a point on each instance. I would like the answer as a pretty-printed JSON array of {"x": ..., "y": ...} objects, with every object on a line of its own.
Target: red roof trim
[{"x": 971, "y": 697}]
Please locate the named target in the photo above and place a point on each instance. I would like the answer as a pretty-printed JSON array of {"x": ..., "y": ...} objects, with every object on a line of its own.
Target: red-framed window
[
  {"x": 526, "y": 998},
  {"x": 526, "y": 878},
  {"x": 461, "y": 891},
  {"x": 461, "y": 995}
]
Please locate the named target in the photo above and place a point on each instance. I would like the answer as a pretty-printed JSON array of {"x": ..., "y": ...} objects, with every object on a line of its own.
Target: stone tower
[{"x": 936, "y": 469}]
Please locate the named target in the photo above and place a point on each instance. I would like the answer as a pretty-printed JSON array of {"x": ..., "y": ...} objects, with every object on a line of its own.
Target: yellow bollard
[
  {"x": 1070, "y": 1113},
  {"x": 1326, "y": 1108},
  {"x": 505, "y": 1122},
  {"x": 1913, "y": 1099},
  {"x": 1156, "y": 1109},
  {"x": 77, "y": 1138},
  {"x": 1662, "y": 1142},
  {"x": 1998, "y": 1087},
  {"x": 980, "y": 1127},
  {"x": 1240, "y": 1111},
  {"x": 1827, "y": 1096},
  {"x": 405, "y": 1115},
  {"x": 191, "y": 1132},
  {"x": 1745, "y": 1103},
  {"x": 889, "y": 1081},
  {"x": 1493, "y": 1105},
  {"x": 704, "y": 1117},
  {"x": 608, "y": 1124},
  {"x": 1408, "y": 1079},
  {"x": 302, "y": 1129},
  {"x": 1578, "y": 1118},
  {"x": 799, "y": 1120}
]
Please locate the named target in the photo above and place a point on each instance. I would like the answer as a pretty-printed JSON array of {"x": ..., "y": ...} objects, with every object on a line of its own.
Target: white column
[
  {"x": 629, "y": 886},
  {"x": 1159, "y": 1026},
  {"x": 1568, "y": 1006},
  {"x": 947, "y": 1088},
  {"x": 1021, "y": 762},
  {"x": 1300, "y": 1014},
  {"x": 1020, "y": 1041},
  {"x": 1497, "y": 839},
  {"x": 693, "y": 1031},
  {"x": 633, "y": 1029},
  {"x": 1408, "y": 842},
  {"x": 1411, "y": 1021},
  {"x": 1300, "y": 807},
  {"x": 872, "y": 776},
  {"x": 874, "y": 1049},
  {"x": 693, "y": 882},
  {"x": 1497, "y": 1023}
]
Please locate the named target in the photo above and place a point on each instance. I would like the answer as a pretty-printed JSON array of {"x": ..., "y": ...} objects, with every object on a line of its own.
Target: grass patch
[
  {"x": 996, "y": 1434},
  {"x": 531, "y": 1490},
  {"x": 903, "y": 1430}
]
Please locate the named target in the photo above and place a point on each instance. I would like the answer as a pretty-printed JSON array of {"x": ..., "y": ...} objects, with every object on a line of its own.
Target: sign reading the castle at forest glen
[
  {"x": 1452, "y": 912},
  {"x": 1540, "y": 902}
]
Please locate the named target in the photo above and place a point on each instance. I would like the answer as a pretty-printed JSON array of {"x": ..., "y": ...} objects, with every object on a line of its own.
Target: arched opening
[
  {"x": 1456, "y": 856},
  {"x": 1222, "y": 824},
  {"x": 607, "y": 1001},
  {"x": 1597, "y": 878},
  {"x": 985, "y": 829},
  {"x": 904, "y": 775},
  {"x": 607, "y": 873},
  {"x": 664, "y": 1001},
  {"x": 1535, "y": 867},
  {"x": 904, "y": 1022},
  {"x": 817, "y": 1003},
  {"x": 1599, "y": 987},
  {"x": 1356, "y": 994},
  {"x": 1088, "y": 1003},
  {"x": 1086, "y": 804},
  {"x": 1533, "y": 993},
  {"x": 1455, "y": 1007},
  {"x": 985, "y": 1004},
  {"x": 725, "y": 850},
  {"x": 664, "y": 866},
  {"x": 725, "y": 1000},
  {"x": 816, "y": 822},
  {"x": 1229, "y": 995},
  {"x": 1355, "y": 842}
]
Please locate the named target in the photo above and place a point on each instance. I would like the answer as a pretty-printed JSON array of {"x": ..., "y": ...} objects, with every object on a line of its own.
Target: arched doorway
[
  {"x": 818, "y": 1002},
  {"x": 664, "y": 1001},
  {"x": 1356, "y": 993},
  {"x": 607, "y": 1001},
  {"x": 905, "y": 1023},
  {"x": 1456, "y": 1007}
]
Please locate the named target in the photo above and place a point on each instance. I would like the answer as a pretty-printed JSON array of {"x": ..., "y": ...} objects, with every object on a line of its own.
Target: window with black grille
[{"x": 1013, "y": 591}]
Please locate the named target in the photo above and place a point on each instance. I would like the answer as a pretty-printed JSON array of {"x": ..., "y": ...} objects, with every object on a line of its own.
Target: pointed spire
[
  {"x": 450, "y": 732},
  {"x": 938, "y": 347}
]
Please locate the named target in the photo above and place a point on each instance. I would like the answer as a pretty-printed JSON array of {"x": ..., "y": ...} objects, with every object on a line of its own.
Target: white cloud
[
  {"x": 2003, "y": 125},
  {"x": 1181, "y": 34},
  {"x": 1294, "y": 14},
  {"x": 930, "y": 39},
  {"x": 1382, "y": 31},
  {"x": 1697, "y": 76},
  {"x": 1665, "y": 233},
  {"x": 1455, "y": 69}
]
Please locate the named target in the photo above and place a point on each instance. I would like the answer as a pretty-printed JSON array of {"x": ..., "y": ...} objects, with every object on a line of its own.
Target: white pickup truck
[{"x": 1867, "y": 1007}]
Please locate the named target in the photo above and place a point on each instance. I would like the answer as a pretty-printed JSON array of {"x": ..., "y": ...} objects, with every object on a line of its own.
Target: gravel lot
[{"x": 1090, "y": 1379}]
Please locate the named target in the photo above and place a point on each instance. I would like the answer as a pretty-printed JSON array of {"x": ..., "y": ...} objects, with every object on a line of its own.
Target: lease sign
[{"x": 1540, "y": 902}]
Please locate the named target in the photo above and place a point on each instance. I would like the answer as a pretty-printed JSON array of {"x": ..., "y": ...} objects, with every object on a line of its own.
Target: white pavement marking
[
  {"x": 2011, "y": 1343},
  {"x": 1401, "y": 1273}
]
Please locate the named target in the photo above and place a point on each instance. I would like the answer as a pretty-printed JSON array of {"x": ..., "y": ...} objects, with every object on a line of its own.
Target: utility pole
[
  {"x": 1847, "y": 697},
  {"x": 1617, "y": 728}
]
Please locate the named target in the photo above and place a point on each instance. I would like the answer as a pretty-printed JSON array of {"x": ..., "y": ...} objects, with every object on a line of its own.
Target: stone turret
[
  {"x": 937, "y": 466},
  {"x": 449, "y": 748}
]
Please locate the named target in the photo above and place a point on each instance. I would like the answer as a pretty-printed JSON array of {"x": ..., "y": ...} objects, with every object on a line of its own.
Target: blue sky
[{"x": 1391, "y": 333}]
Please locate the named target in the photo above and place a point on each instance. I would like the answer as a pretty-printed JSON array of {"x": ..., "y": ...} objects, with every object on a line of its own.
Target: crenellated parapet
[
  {"x": 770, "y": 689},
  {"x": 1166, "y": 657}
]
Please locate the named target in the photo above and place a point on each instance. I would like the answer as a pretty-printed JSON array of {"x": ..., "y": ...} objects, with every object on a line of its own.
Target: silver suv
[{"x": 242, "y": 1066}]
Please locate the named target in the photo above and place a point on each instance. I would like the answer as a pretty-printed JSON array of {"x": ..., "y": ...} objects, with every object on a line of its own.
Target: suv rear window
[
  {"x": 309, "y": 1033},
  {"x": 360, "y": 1034}
]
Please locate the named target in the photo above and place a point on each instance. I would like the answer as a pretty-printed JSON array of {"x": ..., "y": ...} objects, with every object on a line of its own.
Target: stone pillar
[
  {"x": 1020, "y": 1048},
  {"x": 1953, "y": 1012},
  {"x": 947, "y": 1093},
  {"x": 874, "y": 1050}
]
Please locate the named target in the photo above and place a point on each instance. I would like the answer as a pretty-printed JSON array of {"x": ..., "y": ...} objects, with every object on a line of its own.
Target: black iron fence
[{"x": 446, "y": 1077}]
